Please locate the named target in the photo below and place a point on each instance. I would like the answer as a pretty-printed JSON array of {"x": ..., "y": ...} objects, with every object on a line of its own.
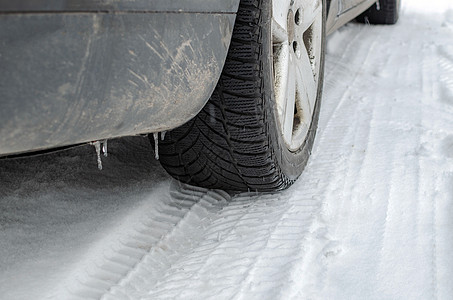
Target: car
[{"x": 229, "y": 91}]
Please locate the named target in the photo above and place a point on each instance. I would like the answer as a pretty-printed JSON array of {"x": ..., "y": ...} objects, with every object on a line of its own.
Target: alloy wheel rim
[{"x": 297, "y": 46}]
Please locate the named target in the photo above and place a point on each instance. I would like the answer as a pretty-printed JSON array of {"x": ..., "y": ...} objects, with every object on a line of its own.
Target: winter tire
[
  {"x": 382, "y": 12},
  {"x": 257, "y": 130}
]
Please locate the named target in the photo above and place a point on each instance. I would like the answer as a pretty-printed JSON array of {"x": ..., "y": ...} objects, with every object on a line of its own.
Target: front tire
[
  {"x": 257, "y": 130},
  {"x": 384, "y": 12}
]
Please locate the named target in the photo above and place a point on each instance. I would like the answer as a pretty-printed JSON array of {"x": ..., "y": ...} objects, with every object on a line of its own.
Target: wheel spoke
[
  {"x": 281, "y": 71},
  {"x": 308, "y": 83},
  {"x": 309, "y": 12},
  {"x": 279, "y": 33},
  {"x": 290, "y": 101},
  {"x": 304, "y": 102},
  {"x": 279, "y": 13}
]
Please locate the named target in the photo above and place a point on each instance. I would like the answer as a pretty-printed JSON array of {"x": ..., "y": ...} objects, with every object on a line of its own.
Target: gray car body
[{"x": 75, "y": 71}]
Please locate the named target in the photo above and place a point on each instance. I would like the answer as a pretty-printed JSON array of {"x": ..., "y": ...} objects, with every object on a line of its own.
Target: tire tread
[{"x": 228, "y": 145}]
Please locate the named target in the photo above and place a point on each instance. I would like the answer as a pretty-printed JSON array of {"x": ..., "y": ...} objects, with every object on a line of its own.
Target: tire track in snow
[
  {"x": 346, "y": 147},
  {"x": 242, "y": 253},
  {"x": 397, "y": 209},
  {"x": 161, "y": 233},
  {"x": 444, "y": 242},
  {"x": 340, "y": 64},
  {"x": 437, "y": 89},
  {"x": 283, "y": 249},
  {"x": 396, "y": 165},
  {"x": 443, "y": 212},
  {"x": 446, "y": 75},
  {"x": 403, "y": 209}
]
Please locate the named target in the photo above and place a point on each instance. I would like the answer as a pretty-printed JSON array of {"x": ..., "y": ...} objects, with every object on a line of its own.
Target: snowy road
[{"x": 370, "y": 218}]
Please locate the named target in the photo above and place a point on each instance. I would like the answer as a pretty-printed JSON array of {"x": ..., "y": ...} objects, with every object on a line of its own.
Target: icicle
[
  {"x": 104, "y": 148},
  {"x": 378, "y": 6},
  {"x": 156, "y": 145},
  {"x": 97, "y": 146},
  {"x": 162, "y": 135}
]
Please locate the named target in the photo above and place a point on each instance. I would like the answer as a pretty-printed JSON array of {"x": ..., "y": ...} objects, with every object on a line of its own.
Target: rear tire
[
  {"x": 239, "y": 141},
  {"x": 383, "y": 12}
]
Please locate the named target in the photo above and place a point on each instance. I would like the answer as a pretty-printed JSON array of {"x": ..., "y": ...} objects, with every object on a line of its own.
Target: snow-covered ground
[{"x": 370, "y": 218}]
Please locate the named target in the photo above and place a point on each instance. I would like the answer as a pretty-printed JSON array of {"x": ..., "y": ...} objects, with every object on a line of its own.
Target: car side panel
[
  {"x": 218, "y": 6},
  {"x": 343, "y": 11},
  {"x": 69, "y": 78}
]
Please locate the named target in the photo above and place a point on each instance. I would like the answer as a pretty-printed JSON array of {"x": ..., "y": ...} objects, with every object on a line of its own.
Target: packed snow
[{"x": 371, "y": 217}]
